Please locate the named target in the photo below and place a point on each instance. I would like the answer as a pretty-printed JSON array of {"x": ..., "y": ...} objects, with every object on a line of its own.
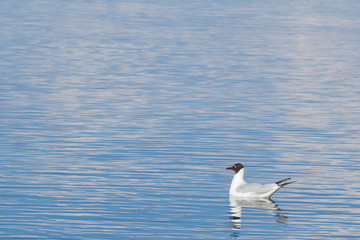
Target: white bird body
[{"x": 240, "y": 188}]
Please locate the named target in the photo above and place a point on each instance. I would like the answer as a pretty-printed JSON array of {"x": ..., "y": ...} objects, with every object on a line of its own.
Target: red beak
[{"x": 229, "y": 168}]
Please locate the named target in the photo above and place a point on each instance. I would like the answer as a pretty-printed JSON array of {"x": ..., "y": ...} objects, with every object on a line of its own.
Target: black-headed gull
[{"x": 239, "y": 188}]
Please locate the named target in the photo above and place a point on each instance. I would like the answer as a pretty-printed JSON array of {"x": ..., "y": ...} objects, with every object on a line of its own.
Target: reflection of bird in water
[
  {"x": 240, "y": 188},
  {"x": 237, "y": 205}
]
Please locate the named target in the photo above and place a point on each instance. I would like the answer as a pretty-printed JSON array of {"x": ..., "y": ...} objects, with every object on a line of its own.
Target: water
[{"x": 119, "y": 118}]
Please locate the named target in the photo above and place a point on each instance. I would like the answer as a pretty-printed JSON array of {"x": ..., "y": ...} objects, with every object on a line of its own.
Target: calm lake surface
[{"x": 118, "y": 118}]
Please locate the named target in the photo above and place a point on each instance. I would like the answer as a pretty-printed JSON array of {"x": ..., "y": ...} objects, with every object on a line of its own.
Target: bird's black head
[{"x": 236, "y": 167}]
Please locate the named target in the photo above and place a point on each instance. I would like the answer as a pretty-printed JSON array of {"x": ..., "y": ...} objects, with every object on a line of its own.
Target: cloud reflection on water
[{"x": 95, "y": 95}]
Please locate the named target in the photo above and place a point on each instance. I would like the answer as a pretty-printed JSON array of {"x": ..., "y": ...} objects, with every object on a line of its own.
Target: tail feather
[{"x": 283, "y": 182}]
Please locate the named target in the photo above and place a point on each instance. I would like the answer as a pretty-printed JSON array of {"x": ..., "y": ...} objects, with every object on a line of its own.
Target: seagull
[{"x": 242, "y": 189}]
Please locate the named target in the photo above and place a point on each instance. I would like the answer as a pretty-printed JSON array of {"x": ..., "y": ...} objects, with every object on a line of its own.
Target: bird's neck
[{"x": 237, "y": 181}]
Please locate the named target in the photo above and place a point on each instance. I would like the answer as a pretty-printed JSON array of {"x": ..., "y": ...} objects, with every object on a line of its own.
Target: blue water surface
[{"x": 118, "y": 118}]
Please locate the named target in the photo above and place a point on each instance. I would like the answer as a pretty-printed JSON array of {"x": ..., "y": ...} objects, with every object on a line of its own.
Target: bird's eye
[{"x": 234, "y": 166}]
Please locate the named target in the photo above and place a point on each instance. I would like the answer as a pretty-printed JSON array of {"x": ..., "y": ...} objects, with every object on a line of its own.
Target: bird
[{"x": 242, "y": 189}]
